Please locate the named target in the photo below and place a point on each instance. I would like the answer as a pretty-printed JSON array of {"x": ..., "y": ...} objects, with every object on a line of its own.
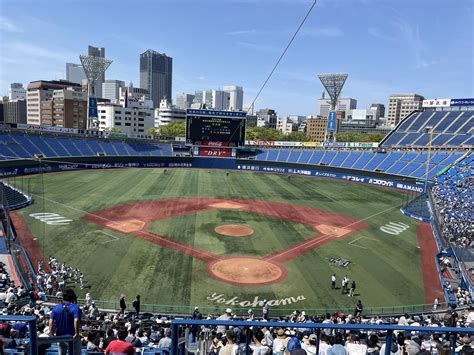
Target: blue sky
[{"x": 386, "y": 46}]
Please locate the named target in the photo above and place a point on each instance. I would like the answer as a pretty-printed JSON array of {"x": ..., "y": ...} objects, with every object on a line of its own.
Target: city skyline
[{"x": 387, "y": 47}]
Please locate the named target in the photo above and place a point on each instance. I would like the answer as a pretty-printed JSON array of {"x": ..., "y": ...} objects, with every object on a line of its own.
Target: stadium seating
[
  {"x": 450, "y": 128},
  {"x": 12, "y": 197},
  {"x": 17, "y": 145},
  {"x": 410, "y": 163}
]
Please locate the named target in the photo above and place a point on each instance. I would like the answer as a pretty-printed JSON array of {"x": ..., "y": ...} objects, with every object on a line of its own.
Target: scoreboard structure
[{"x": 212, "y": 128}]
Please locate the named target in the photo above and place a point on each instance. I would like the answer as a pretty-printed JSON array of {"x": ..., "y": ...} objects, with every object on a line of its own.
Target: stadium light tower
[
  {"x": 94, "y": 67},
  {"x": 333, "y": 83}
]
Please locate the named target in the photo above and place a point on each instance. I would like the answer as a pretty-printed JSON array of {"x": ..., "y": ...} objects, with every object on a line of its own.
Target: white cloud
[
  {"x": 260, "y": 47},
  {"x": 242, "y": 32},
  {"x": 32, "y": 50},
  {"x": 322, "y": 31},
  {"x": 8, "y": 25}
]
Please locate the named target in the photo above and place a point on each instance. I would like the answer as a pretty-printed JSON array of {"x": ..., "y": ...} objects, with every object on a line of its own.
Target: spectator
[
  {"x": 120, "y": 346},
  {"x": 65, "y": 319}
]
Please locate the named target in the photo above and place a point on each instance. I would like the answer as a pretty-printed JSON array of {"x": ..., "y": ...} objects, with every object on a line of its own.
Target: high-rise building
[
  {"x": 316, "y": 128},
  {"x": 344, "y": 104},
  {"x": 67, "y": 108},
  {"x": 75, "y": 73},
  {"x": 213, "y": 99},
  {"x": 379, "y": 110},
  {"x": 236, "y": 97},
  {"x": 131, "y": 116},
  {"x": 14, "y": 111},
  {"x": 166, "y": 113},
  {"x": 267, "y": 118},
  {"x": 97, "y": 52},
  {"x": 111, "y": 90},
  {"x": 16, "y": 92},
  {"x": 401, "y": 105},
  {"x": 184, "y": 101},
  {"x": 42, "y": 90},
  {"x": 156, "y": 72}
]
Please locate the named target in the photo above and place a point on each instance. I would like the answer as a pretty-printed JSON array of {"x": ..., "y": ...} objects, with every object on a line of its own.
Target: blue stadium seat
[
  {"x": 283, "y": 155},
  {"x": 262, "y": 155},
  {"x": 305, "y": 155},
  {"x": 375, "y": 161},
  {"x": 351, "y": 159},
  {"x": 316, "y": 157},
  {"x": 272, "y": 154},
  {"x": 294, "y": 155},
  {"x": 328, "y": 157},
  {"x": 363, "y": 160},
  {"x": 339, "y": 158}
]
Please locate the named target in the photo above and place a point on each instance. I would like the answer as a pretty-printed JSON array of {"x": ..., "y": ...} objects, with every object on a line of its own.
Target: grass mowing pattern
[{"x": 385, "y": 267}]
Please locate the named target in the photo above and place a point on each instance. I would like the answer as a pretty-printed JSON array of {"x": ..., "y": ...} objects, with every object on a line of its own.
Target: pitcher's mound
[
  {"x": 234, "y": 230},
  {"x": 126, "y": 226},
  {"x": 246, "y": 271},
  {"x": 226, "y": 205}
]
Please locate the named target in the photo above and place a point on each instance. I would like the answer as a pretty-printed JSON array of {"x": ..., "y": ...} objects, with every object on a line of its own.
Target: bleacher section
[
  {"x": 450, "y": 128},
  {"x": 409, "y": 163},
  {"x": 17, "y": 145},
  {"x": 12, "y": 197}
]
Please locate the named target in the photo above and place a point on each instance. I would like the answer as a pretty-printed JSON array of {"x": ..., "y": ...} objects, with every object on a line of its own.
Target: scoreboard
[{"x": 215, "y": 128}]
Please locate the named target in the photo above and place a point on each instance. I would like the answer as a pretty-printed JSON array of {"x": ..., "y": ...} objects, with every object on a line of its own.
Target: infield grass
[{"x": 386, "y": 267}]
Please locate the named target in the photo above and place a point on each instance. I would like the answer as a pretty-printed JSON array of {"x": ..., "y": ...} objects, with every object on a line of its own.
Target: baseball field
[{"x": 218, "y": 239}]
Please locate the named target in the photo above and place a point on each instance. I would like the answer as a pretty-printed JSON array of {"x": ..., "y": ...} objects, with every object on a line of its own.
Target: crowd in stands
[
  {"x": 454, "y": 198},
  {"x": 101, "y": 331}
]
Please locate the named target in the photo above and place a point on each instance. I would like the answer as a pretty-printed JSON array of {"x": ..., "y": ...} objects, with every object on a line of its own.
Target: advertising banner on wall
[
  {"x": 215, "y": 152},
  {"x": 93, "y": 107},
  {"x": 436, "y": 103},
  {"x": 462, "y": 102},
  {"x": 332, "y": 121}
]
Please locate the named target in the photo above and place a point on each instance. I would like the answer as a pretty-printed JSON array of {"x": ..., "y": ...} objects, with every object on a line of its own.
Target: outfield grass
[{"x": 385, "y": 267}]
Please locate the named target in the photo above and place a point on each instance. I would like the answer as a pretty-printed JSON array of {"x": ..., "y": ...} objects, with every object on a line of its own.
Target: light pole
[{"x": 428, "y": 130}]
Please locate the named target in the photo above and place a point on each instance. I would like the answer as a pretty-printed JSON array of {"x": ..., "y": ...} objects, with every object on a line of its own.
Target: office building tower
[
  {"x": 75, "y": 73},
  {"x": 97, "y": 52},
  {"x": 236, "y": 97},
  {"x": 156, "y": 71}
]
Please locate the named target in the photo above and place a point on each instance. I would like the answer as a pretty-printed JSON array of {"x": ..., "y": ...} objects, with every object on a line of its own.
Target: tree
[
  {"x": 359, "y": 137},
  {"x": 264, "y": 134},
  {"x": 173, "y": 129},
  {"x": 297, "y": 137},
  {"x": 153, "y": 131},
  {"x": 112, "y": 129}
]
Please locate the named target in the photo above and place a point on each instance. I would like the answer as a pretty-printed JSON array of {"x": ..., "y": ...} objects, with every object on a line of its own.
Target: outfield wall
[{"x": 14, "y": 168}]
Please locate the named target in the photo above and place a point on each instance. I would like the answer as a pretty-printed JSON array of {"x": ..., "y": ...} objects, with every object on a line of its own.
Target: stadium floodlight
[
  {"x": 333, "y": 83},
  {"x": 94, "y": 67}
]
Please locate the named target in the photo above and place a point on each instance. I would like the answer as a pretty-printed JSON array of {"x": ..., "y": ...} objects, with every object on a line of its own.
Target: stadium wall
[{"x": 14, "y": 168}]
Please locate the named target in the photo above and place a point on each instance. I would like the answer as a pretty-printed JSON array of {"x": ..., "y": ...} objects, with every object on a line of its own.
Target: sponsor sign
[
  {"x": 215, "y": 152},
  {"x": 93, "y": 107},
  {"x": 332, "y": 121},
  {"x": 214, "y": 143},
  {"x": 311, "y": 144},
  {"x": 437, "y": 103},
  {"x": 462, "y": 102},
  {"x": 46, "y": 128}
]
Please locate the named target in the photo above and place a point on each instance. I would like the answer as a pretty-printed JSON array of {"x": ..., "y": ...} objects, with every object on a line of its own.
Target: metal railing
[
  {"x": 274, "y": 312},
  {"x": 389, "y": 329},
  {"x": 34, "y": 341}
]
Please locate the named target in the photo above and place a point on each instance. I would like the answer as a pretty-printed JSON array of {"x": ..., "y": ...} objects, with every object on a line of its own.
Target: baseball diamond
[{"x": 239, "y": 235}]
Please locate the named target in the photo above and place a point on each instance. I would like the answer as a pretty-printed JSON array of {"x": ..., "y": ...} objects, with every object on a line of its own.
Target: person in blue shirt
[{"x": 65, "y": 319}]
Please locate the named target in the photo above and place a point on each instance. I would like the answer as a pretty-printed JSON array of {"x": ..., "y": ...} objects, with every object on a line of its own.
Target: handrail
[
  {"x": 157, "y": 308},
  {"x": 318, "y": 326}
]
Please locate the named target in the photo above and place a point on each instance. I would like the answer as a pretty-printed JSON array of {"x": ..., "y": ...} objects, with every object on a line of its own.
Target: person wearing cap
[
  {"x": 333, "y": 281},
  {"x": 65, "y": 319},
  {"x": 226, "y": 316}
]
